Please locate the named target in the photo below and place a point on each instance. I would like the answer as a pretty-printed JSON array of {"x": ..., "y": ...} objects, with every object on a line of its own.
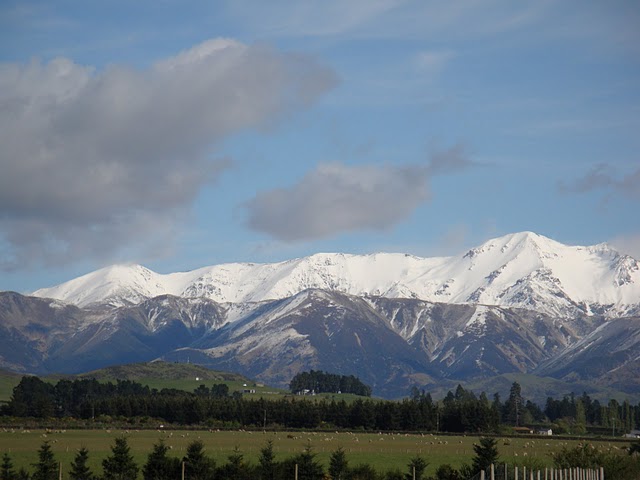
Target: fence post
[
  {"x": 493, "y": 473},
  {"x": 481, "y": 475},
  {"x": 516, "y": 473}
]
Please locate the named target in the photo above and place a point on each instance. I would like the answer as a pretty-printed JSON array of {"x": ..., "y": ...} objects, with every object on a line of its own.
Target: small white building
[
  {"x": 545, "y": 431},
  {"x": 633, "y": 434}
]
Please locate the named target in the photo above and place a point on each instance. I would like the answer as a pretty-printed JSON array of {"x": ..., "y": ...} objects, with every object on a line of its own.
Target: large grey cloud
[
  {"x": 91, "y": 160},
  {"x": 336, "y": 198}
]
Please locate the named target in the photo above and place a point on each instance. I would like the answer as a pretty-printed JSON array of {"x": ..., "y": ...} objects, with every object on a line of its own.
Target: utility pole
[{"x": 613, "y": 427}]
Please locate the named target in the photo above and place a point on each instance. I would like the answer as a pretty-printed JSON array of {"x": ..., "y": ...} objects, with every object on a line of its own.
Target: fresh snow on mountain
[{"x": 518, "y": 270}]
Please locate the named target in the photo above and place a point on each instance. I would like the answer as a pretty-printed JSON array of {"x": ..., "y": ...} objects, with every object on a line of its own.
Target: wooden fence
[{"x": 507, "y": 472}]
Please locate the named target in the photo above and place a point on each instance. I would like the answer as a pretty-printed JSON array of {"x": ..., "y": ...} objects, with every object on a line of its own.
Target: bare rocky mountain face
[{"x": 519, "y": 303}]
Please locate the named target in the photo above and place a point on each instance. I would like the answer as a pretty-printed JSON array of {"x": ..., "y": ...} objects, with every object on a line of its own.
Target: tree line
[
  {"x": 460, "y": 411},
  {"x": 320, "y": 382}
]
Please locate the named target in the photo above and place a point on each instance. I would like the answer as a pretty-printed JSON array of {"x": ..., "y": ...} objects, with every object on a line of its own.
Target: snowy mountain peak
[
  {"x": 522, "y": 269},
  {"x": 517, "y": 243},
  {"x": 119, "y": 285}
]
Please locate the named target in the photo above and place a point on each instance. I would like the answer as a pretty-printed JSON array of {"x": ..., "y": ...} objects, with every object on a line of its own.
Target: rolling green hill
[{"x": 182, "y": 376}]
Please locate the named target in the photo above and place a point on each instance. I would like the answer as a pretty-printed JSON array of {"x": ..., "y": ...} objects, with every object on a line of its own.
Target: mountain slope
[
  {"x": 30, "y": 328},
  {"x": 522, "y": 270},
  {"x": 314, "y": 329},
  {"x": 136, "y": 334},
  {"x": 391, "y": 344},
  {"x": 609, "y": 355}
]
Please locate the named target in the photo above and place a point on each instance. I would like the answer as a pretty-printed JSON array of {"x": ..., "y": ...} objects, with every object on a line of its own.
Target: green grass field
[
  {"x": 7, "y": 382},
  {"x": 382, "y": 451},
  {"x": 157, "y": 375},
  {"x": 180, "y": 376}
]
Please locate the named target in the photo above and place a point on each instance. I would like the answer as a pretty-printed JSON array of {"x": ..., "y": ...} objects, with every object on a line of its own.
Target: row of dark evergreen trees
[
  {"x": 320, "y": 382},
  {"x": 460, "y": 411},
  {"x": 196, "y": 465}
]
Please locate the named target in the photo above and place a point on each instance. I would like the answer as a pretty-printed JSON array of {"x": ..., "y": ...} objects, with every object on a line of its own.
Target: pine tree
[
  {"x": 198, "y": 466},
  {"x": 267, "y": 464},
  {"x": 47, "y": 468},
  {"x": 308, "y": 467},
  {"x": 447, "y": 472},
  {"x": 6, "y": 470},
  {"x": 235, "y": 468},
  {"x": 514, "y": 405},
  {"x": 486, "y": 454},
  {"x": 417, "y": 465},
  {"x": 338, "y": 465},
  {"x": 79, "y": 469},
  {"x": 159, "y": 466},
  {"x": 120, "y": 464}
]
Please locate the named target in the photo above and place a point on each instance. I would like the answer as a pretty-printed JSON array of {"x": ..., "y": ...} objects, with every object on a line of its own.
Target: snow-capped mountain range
[
  {"x": 523, "y": 270},
  {"x": 521, "y": 303}
]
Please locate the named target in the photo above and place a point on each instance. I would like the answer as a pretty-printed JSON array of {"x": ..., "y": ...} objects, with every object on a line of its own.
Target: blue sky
[{"x": 184, "y": 134}]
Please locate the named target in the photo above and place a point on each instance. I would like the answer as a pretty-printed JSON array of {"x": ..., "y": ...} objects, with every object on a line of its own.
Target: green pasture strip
[
  {"x": 190, "y": 384},
  {"x": 382, "y": 451}
]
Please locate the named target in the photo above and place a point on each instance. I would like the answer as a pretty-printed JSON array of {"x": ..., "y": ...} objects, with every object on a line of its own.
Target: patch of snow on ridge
[{"x": 478, "y": 317}]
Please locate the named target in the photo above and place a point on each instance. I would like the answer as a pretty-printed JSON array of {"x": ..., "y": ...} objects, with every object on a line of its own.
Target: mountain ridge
[
  {"x": 523, "y": 270},
  {"x": 517, "y": 304}
]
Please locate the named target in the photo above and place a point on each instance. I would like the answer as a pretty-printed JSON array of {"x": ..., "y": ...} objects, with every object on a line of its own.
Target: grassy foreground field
[
  {"x": 7, "y": 383},
  {"x": 382, "y": 451}
]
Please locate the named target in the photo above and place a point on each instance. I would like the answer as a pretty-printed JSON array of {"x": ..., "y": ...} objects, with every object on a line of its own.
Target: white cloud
[
  {"x": 385, "y": 18},
  {"x": 338, "y": 198},
  {"x": 94, "y": 159},
  {"x": 433, "y": 61}
]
